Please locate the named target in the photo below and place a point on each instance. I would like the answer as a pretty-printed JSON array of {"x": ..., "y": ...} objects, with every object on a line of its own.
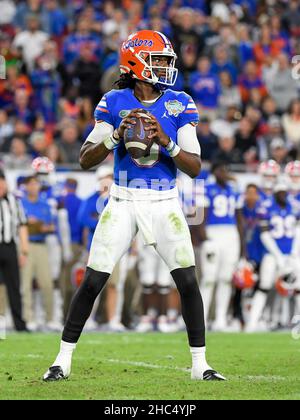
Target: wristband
[
  {"x": 173, "y": 149},
  {"x": 111, "y": 142}
]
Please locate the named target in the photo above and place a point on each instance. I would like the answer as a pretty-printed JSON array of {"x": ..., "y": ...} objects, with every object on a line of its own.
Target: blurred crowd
[{"x": 235, "y": 58}]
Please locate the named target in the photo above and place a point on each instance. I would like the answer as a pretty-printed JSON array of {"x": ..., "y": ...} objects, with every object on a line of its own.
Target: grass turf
[{"x": 152, "y": 366}]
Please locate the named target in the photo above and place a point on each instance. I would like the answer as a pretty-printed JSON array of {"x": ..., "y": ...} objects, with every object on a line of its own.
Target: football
[{"x": 136, "y": 138}]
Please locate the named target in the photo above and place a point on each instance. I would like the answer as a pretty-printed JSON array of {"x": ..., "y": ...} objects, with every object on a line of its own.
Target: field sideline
[{"x": 153, "y": 366}]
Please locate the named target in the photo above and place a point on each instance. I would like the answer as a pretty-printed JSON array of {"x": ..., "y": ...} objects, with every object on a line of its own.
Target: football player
[
  {"x": 280, "y": 237},
  {"x": 269, "y": 172},
  {"x": 222, "y": 236},
  {"x": 144, "y": 196},
  {"x": 292, "y": 171}
]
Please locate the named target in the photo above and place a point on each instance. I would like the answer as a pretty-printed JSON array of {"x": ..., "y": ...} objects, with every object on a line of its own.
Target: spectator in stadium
[
  {"x": 185, "y": 35},
  {"x": 227, "y": 151},
  {"x": 208, "y": 141},
  {"x": 205, "y": 88},
  {"x": 283, "y": 88},
  {"x": 279, "y": 151},
  {"x": 40, "y": 223},
  {"x": 71, "y": 202},
  {"x": 31, "y": 41},
  {"x": 86, "y": 73},
  {"x": 54, "y": 20},
  {"x": 38, "y": 144},
  {"x": 246, "y": 142},
  {"x": 82, "y": 36},
  {"x": 266, "y": 46},
  {"x": 291, "y": 123},
  {"x": 291, "y": 17},
  {"x": 221, "y": 63},
  {"x": 23, "y": 109},
  {"x": 117, "y": 23},
  {"x": 18, "y": 158},
  {"x": 8, "y": 10},
  {"x": 230, "y": 94},
  {"x": 69, "y": 143},
  {"x": 15, "y": 81},
  {"x": 245, "y": 45},
  {"x": 26, "y": 9},
  {"x": 6, "y": 128},
  {"x": 249, "y": 80}
]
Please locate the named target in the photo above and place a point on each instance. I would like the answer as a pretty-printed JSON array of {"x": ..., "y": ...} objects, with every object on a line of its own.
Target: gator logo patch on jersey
[
  {"x": 174, "y": 107},
  {"x": 124, "y": 113}
]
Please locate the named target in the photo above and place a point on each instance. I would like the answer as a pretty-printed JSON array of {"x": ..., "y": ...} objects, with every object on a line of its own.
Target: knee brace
[
  {"x": 186, "y": 281},
  {"x": 93, "y": 282}
]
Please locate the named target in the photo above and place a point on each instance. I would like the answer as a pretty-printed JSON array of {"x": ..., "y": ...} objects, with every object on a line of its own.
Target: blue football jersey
[
  {"x": 254, "y": 245},
  {"x": 265, "y": 199},
  {"x": 173, "y": 110},
  {"x": 221, "y": 203},
  {"x": 282, "y": 223}
]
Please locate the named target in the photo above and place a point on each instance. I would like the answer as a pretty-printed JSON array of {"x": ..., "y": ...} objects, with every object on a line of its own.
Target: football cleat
[
  {"x": 55, "y": 373},
  {"x": 212, "y": 375}
]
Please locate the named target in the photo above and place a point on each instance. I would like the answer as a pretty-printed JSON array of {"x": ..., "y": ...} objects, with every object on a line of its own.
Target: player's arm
[
  {"x": 186, "y": 154},
  {"x": 102, "y": 140},
  {"x": 270, "y": 244}
]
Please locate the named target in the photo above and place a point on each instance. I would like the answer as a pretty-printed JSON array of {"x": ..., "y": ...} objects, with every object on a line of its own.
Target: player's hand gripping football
[
  {"x": 130, "y": 120},
  {"x": 158, "y": 134}
]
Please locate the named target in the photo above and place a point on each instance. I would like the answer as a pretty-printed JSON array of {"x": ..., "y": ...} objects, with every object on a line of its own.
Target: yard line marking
[{"x": 147, "y": 365}]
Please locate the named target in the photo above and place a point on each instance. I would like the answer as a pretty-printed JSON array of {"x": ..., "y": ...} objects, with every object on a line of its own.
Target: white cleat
[
  {"x": 91, "y": 325},
  {"x": 115, "y": 326},
  {"x": 54, "y": 326},
  {"x": 32, "y": 326},
  {"x": 145, "y": 325}
]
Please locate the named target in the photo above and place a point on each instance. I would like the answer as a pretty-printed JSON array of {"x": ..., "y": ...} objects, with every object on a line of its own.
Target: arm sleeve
[
  {"x": 100, "y": 132},
  {"x": 187, "y": 139}
]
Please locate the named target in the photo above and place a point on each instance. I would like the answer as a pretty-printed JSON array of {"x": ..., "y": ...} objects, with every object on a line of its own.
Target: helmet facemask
[{"x": 162, "y": 75}]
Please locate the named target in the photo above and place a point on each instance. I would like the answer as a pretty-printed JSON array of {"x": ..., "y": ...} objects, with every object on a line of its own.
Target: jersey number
[
  {"x": 150, "y": 160},
  {"x": 224, "y": 206},
  {"x": 283, "y": 227}
]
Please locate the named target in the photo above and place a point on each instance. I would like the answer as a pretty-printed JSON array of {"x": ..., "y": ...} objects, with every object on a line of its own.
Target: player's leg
[
  {"x": 267, "y": 278},
  {"x": 107, "y": 248},
  {"x": 147, "y": 265},
  {"x": 174, "y": 245},
  {"x": 229, "y": 257},
  {"x": 209, "y": 257},
  {"x": 164, "y": 283}
]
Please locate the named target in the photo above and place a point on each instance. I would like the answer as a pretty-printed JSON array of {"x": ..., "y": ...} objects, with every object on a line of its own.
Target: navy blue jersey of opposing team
[{"x": 173, "y": 110}]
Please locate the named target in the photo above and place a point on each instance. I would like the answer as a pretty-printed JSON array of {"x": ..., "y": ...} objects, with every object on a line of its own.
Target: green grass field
[{"x": 152, "y": 366}]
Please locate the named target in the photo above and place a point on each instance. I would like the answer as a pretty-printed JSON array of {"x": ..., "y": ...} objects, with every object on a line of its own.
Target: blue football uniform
[
  {"x": 265, "y": 199},
  {"x": 222, "y": 203},
  {"x": 254, "y": 245},
  {"x": 282, "y": 223},
  {"x": 173, "y": 110}
]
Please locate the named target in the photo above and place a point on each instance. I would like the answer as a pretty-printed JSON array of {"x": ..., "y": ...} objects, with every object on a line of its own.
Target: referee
[{"x": 13, "y": 230}]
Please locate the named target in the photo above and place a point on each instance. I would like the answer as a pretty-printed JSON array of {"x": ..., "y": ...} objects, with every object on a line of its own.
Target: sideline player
[
  {"x": 147, "y": 65},
  {"x": 280, "y": 237},
  {"x": 221, "y": 233}
]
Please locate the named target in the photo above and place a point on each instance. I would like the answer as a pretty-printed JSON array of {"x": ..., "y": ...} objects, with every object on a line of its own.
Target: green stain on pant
[
  {"x": 106, "y": 217},
  {"x": 184, "y": 257},
  {"x": 176, "y": 223}
]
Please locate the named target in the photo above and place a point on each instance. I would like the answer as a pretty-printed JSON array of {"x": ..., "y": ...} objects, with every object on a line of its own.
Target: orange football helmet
[
  {"x": 286, "y": 285},
  {"x": 136, "y": 58},
  {"x": 245, "y": 277}
]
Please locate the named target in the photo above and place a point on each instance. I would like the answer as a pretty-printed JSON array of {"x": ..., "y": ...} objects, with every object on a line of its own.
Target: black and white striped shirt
[{"x": 11, "y": 217}]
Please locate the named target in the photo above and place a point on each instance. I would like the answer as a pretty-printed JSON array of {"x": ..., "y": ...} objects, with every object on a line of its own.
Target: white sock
[
  {"x": 258, "y": 304},
  {"x": 223, "y": 296},
  {"x": 64, "y": 357},
  {"x": 199, "y": 363}
]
